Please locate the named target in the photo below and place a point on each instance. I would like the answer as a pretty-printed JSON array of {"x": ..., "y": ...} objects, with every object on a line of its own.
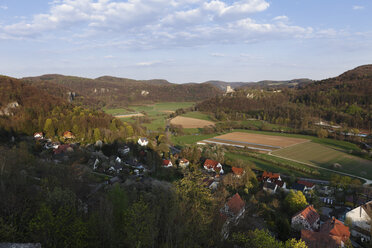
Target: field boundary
[{"x": 367, "y": 181}]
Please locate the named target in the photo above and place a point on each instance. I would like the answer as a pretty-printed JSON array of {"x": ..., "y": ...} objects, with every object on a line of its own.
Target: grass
[
  {"x": 156, "y": 112},
  {"x": 198, "y": 115},
  {"x": 190, "y": 139},
  {"x": 343, "y": 145},
  {"x": 325, "y": 156},
  {"x": 256, "y": 163}
]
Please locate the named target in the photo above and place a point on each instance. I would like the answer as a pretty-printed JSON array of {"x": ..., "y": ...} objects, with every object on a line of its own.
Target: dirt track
[
  {"x": 187, "y": 122},
  {"x": 260, "y": 139},
  {"x": 129, "y": 115}
]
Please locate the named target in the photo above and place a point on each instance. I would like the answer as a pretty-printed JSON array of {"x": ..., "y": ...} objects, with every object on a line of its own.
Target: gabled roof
[
  {"x": 368, "y": 208},
  {"x": 236, "y": 204},
  {"x": 166, "y": 162},
  {"x": 309, "y": 214},
  {"x": 270, "y": 175},
  {"x": 184, "y": 160},
  {"x": 318, "y": 239},
  {"x": 306, "y": 183},
  {"x": 237, "y": 171},
  {"x": 143, "y": 139},
  {"x": 209, "y": 163},
  {"x": 336, "y": 228}
]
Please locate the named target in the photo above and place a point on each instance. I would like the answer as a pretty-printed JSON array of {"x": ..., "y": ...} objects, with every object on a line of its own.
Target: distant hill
[
  {"x": 265, "y": 83},
  {"x": 344, "y": 100},
  {"x": 27, "y": 107},
  {"x": 111, "y": 91}
]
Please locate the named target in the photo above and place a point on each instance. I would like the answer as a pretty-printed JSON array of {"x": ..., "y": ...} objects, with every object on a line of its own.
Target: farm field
[
  {"x": 198, "y": 115},
  {"x": 157, "y": 113},
  {"x": 326, "y": 157},
  {"x": 255, "y": 141},
  {"x": 187, "y": 122}
]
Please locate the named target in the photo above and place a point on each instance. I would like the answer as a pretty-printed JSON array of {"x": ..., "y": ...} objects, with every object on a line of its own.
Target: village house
[
  {"x": 143, "y": 141},
  {"x": 213, "y": 166},
  {"x": 63, "y": 149},
  {"x": 307, "y": 219},
  {"x": 232, "y": 211},
  {"x": 68, "y": 135},
  {"x": 167, "y": 163},
  {"x": 332, "y": 234},
  {"x": 308, "y": 185},
  {"x": 183, "y": 163},
  {"x": 38, "y": 136},
  {"x": 271, "y": 182},
  {"x": 238, "y": 172},
  {"x": 360, "y": 219}
]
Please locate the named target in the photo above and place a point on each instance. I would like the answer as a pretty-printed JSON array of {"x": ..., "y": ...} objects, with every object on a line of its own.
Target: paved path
[{"x": 368, "y": 182}]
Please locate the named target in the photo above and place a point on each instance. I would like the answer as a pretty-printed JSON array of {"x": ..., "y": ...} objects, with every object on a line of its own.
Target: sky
[{"x": 185, "y": 40}]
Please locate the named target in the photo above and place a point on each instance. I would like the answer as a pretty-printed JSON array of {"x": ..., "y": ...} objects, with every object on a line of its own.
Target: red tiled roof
[
  {"x": 166, "y": 162},
  {"x": 318, "y": 239},
  {"x": 336, "y": 228},
  {"x": 237, "y": 171},
  {"x": 270, "y": 175},
  {"x": 210, "y": 164},
  {"x": 68, "y": 135},
  {"x": 306, "y": 183},
  {"x": 184, "y": 160},
  {"x": 309, "y": 214},
  {"x": 236, "y": 203}
]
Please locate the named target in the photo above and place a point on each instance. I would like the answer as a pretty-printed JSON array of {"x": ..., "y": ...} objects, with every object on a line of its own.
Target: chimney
[{"x": 360, "y": 211}]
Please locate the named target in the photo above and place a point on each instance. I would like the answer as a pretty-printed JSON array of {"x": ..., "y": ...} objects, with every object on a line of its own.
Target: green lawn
[
  {"x": 325, "y": 156},
  {"x": 190, "y": 139},
  {"x": 259, "y": 164},
  {"x": 157, "y": 112}
]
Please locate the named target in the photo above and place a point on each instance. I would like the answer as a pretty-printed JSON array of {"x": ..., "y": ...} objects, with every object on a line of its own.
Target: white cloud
[
  {"x": 282, "y": 18},
  {"x": 154, "y": 23},
  {"x": 147, "y": 63},
  {"x": 3, "y": 7},
  {"x": 358, "y": 7}
]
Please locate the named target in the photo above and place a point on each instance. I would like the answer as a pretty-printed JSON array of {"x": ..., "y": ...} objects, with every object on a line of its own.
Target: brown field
[
  {"x": 187, "y": 122},
  {"x": 129, "y": 115},
  {"x": 255, "y": 141},
  {"x": 168, "y": 111}
]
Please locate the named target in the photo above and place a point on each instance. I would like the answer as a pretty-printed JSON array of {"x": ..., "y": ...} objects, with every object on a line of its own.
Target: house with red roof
[
  {"x": 307, "y": 219},
  {"x": 307, "y": 185},
  {"x": 213, "y": 166},
  {"x": 167, "y": 163},
  {"x": 238, "y": 172},
  {"x": 232, "y": 211},
  {"x": 183, "y": 163},
  {"x": 38, "y": 136},
  {"x": 272, "y": 181},
  {"x": 333, "y": 234},
  {"x": 68, "y": 135}
]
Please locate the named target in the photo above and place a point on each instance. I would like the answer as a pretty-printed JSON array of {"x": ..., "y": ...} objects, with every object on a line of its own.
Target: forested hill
[
  {"x": 111, "y": 91},
  {"x": 25, "y": 109},
  {"x": 345, "y": 100}
]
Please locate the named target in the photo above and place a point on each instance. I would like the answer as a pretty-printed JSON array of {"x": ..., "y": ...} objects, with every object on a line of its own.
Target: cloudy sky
[{"x": 185, "y": 40}]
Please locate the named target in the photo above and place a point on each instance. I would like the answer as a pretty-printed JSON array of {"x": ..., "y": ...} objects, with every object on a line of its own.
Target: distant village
[{"x": 340, "y": 215}]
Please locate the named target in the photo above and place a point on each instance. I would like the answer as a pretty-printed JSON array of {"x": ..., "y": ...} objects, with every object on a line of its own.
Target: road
[{"x": 367, "y": 181}]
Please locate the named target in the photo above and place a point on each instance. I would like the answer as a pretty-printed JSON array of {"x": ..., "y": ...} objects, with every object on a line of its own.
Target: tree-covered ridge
[
  {"x": 345, "y": 100},
  {"x": 34, "y": 110},
  {"x": 112, "y": 91}
]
